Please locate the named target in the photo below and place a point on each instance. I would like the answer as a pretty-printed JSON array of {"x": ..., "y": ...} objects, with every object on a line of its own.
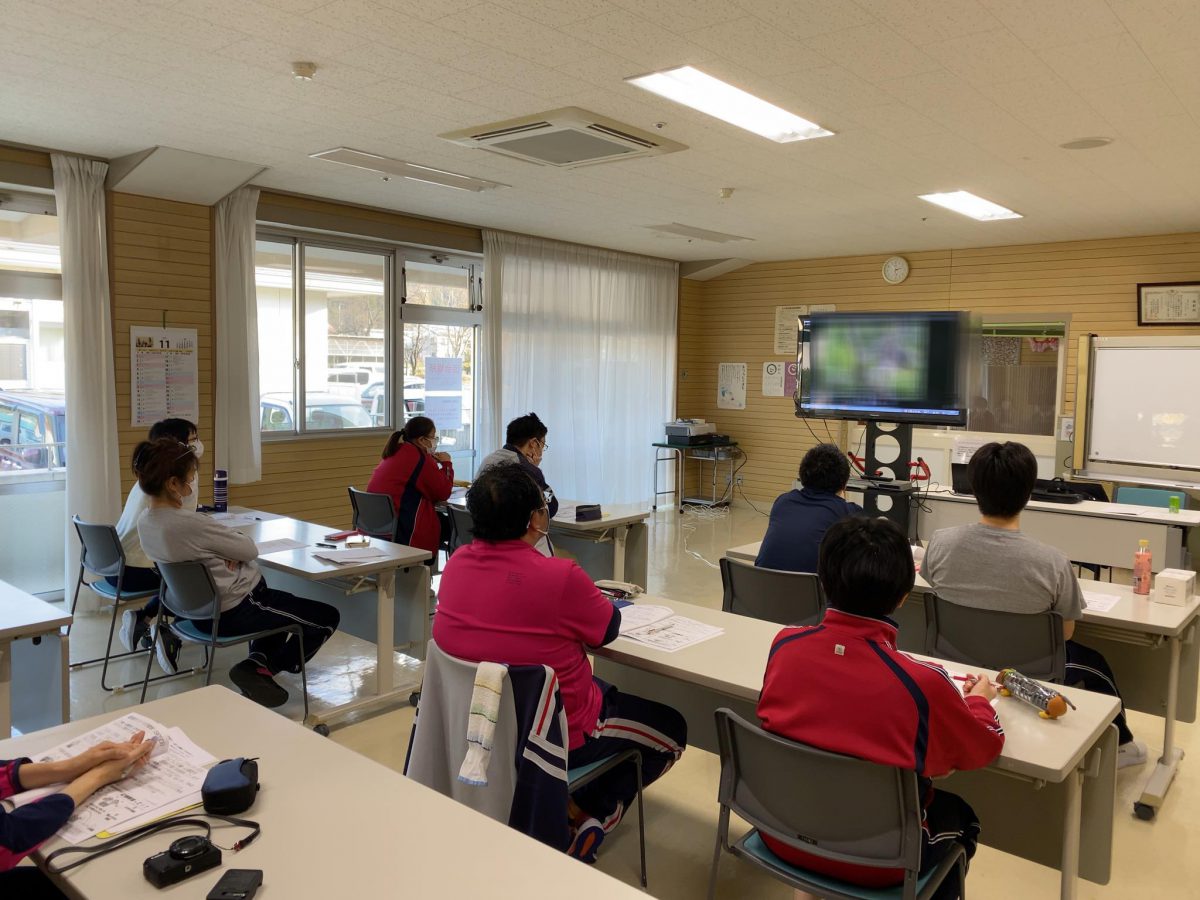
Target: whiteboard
[{"x": 1145, "y": 406}]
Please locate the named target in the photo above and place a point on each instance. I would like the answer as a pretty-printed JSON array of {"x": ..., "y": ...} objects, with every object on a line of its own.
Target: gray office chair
[
  {"x": 788, "y": 598},
  {"x": 1031, "y": 643},
  {"x": 374, "y": 514},
  {"x": 102, "y": 555},
  {"x": 445, "y": 702},
  {"x": 462, "y": 525},
  {"x": 188, "y": 593},
  {"x": 828, "y": 805}
]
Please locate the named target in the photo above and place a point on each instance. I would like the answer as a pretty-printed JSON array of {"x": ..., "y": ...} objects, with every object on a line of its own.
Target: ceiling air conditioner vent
[{"x": 566, "y": 138}]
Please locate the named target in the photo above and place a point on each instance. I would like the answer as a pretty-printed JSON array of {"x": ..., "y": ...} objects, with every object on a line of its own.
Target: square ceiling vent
[{"x": 567, "y": 138}]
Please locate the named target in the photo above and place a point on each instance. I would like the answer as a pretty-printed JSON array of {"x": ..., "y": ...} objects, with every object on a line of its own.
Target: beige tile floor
[{"x": 1149, "y": 858}]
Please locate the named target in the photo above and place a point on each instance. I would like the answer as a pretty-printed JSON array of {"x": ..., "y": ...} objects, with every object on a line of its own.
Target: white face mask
[{"x": 197, "y": 447}]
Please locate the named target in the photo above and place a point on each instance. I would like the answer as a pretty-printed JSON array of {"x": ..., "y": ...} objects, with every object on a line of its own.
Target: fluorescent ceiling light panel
[
  {"x": 691, "y": 231},
  {"x": 691, "y": 87},
  {"x": 968, "y": 204},
  {"x": 386, "y": 166}
]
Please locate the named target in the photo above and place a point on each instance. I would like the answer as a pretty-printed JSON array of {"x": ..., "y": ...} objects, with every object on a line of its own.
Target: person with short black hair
[
  {"x": 416, "y": 477},
  {"x": 842, "y": 686},
  {"x": 139, "y": 570},
  {"x": 990, "y": 564},
  {"x": 170, "y": 532},
  {"x": 501, "y": 601},
  {"x": 525, "y": 443},
  {"x": 800, "y": 517}
]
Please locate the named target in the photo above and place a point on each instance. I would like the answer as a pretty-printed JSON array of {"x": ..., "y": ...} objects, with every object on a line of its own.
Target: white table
[
  {"x": 42, "y": 686},
  {"x": 615, "y": 546},
  {"x": 1161, "y": 684},
  {"x": 334, "y": 823},
  {"x": 1048, "y": 798},
  {"x": 1104, "y": 533},
  {"x": 399, "y": 577}
]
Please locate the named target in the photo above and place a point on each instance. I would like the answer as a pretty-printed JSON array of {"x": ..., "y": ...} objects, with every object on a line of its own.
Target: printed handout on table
[
  {"x": 673, "y": 633},
  {"x": 169, "y": 782},
  {"x": 639, "y": 615},
  {"x": 1098, "y": 602},
  {"x": 279, "y": 544},
  {"x": 350, "y": 555}
]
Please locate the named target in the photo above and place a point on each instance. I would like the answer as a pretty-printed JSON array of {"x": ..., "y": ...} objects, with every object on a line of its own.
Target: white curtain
[
  {"x": 490, "y": 433},
  {"x": 238, "y": 440},
  {"x": 93, "y": 467},
  {"x": 588, "y": 343}
]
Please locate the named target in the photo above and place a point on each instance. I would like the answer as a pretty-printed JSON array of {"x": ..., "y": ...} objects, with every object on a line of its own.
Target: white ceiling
[{"x": 925, "y": 95}]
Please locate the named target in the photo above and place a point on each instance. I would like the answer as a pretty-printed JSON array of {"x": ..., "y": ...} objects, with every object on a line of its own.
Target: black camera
[{"x": 185, "y": 857}]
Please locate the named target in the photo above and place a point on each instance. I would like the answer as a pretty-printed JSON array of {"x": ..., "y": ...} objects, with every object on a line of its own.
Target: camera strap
[{"x": 202, "y": 820}]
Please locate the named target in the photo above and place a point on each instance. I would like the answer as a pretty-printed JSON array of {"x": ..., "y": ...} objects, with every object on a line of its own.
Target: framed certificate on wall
[{"x": 1169, "y": 303}]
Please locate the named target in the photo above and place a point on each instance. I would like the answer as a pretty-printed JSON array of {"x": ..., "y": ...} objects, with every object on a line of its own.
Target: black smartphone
[{"x": 237, "y": 884}]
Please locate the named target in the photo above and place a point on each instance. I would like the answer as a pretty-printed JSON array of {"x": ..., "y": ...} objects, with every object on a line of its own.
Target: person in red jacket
[
  {"x": 842, "y": 686},
  {"x": 416, "y": 477}
]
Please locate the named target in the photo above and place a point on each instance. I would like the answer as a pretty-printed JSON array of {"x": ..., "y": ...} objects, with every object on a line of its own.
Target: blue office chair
[
  {"x": 102, "y": 555},
  {"x": 1140, "y": 496},
  {"x": 188, "y": 593}
]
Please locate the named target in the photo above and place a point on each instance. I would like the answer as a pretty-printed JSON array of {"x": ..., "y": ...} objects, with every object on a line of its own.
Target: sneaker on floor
[
  {"x": 1131, "y": 754},
  {"x": 588, "y": 838},
  {"x": 135, "y": 631},
  {"x": 166, "y": 651},
  {"x": 258, "y": 685}
]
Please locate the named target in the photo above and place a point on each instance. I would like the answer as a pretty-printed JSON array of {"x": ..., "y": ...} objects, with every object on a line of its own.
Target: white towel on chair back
[{"x": 440, "y": 737}]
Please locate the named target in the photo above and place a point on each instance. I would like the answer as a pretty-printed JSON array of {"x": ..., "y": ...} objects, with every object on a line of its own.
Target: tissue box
[{"x": 1174, "y": 587}]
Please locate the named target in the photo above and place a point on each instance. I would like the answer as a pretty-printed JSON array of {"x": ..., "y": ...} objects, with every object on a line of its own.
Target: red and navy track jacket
[
  {"x": 22, "y": 830},
  {"x": 843, "y": 686}
]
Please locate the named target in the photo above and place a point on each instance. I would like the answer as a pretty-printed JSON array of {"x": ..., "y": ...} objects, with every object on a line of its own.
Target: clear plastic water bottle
[{"x": 221, "y": 490}]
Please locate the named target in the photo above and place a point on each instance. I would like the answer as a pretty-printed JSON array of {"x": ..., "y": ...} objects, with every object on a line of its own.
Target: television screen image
[{"x": 891, "y": 367}]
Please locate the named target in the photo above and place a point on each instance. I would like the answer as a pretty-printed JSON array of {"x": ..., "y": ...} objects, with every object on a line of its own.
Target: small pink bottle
[{"x": 1141, "y": 569}]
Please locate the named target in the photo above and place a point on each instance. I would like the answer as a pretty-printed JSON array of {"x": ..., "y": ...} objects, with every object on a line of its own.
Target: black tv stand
[{"x": 888, "y": 493}]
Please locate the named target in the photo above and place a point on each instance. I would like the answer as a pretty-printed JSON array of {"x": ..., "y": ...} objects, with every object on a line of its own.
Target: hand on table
[{"x": 979, "y": 686}]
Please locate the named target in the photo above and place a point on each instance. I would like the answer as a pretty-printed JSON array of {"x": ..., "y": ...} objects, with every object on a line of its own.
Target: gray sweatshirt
[{"x": 180, "y": 535}]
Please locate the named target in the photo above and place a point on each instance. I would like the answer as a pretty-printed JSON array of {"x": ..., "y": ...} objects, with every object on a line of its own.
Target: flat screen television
[{"x": 890, "y": 367}]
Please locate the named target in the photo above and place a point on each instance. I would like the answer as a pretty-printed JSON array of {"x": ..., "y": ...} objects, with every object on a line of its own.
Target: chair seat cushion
[
  {"x": 104, "y": 589},
  {"x": 187, "y": 630},
  {"x": 587, "y": 769},
  {"x": 752, "y": 845}
]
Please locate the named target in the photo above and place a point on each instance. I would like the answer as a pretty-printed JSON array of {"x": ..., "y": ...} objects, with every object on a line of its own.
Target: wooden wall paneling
[
  {"x": 731, "y": 319},
  {"x": 160, "y": 260}
]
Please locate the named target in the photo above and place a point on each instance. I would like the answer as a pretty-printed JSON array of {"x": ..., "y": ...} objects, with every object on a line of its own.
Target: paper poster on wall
[
  {"x": 162, "y": 373},
  {"x": 731, "y": 386},
  {"x": 964, "y": 449},
  {"x": 789, "y": 379},
  {"x": 773, "y": 378},
  {"x": 446, "y": 412},
  {"x": 443, "y": 373},
  {"x": 786, "y": 328}
]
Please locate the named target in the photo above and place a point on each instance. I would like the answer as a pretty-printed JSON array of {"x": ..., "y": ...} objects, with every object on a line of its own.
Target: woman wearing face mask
[
  {"x": 416, "y": 477},
  {"x": 171, "y": 532},
  {"x": 139, "y": 570}
]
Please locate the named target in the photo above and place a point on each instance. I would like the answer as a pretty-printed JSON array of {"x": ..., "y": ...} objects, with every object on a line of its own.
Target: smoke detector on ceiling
[{"x": 566, "y": 138}]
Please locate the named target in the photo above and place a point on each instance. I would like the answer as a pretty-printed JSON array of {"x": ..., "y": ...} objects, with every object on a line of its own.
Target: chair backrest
[
  {"x": 787, "y": 598},
  {"x": 826, "y": 804},
  {"x": 101, "y": 551},
  {"x": 463, "y": 526},
  {"x": 1031, "y": 643},
  {"x": 188, "y": 590},
  {"x": 1140, "y": 496},
  {"x": 374, "y": 514}
]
